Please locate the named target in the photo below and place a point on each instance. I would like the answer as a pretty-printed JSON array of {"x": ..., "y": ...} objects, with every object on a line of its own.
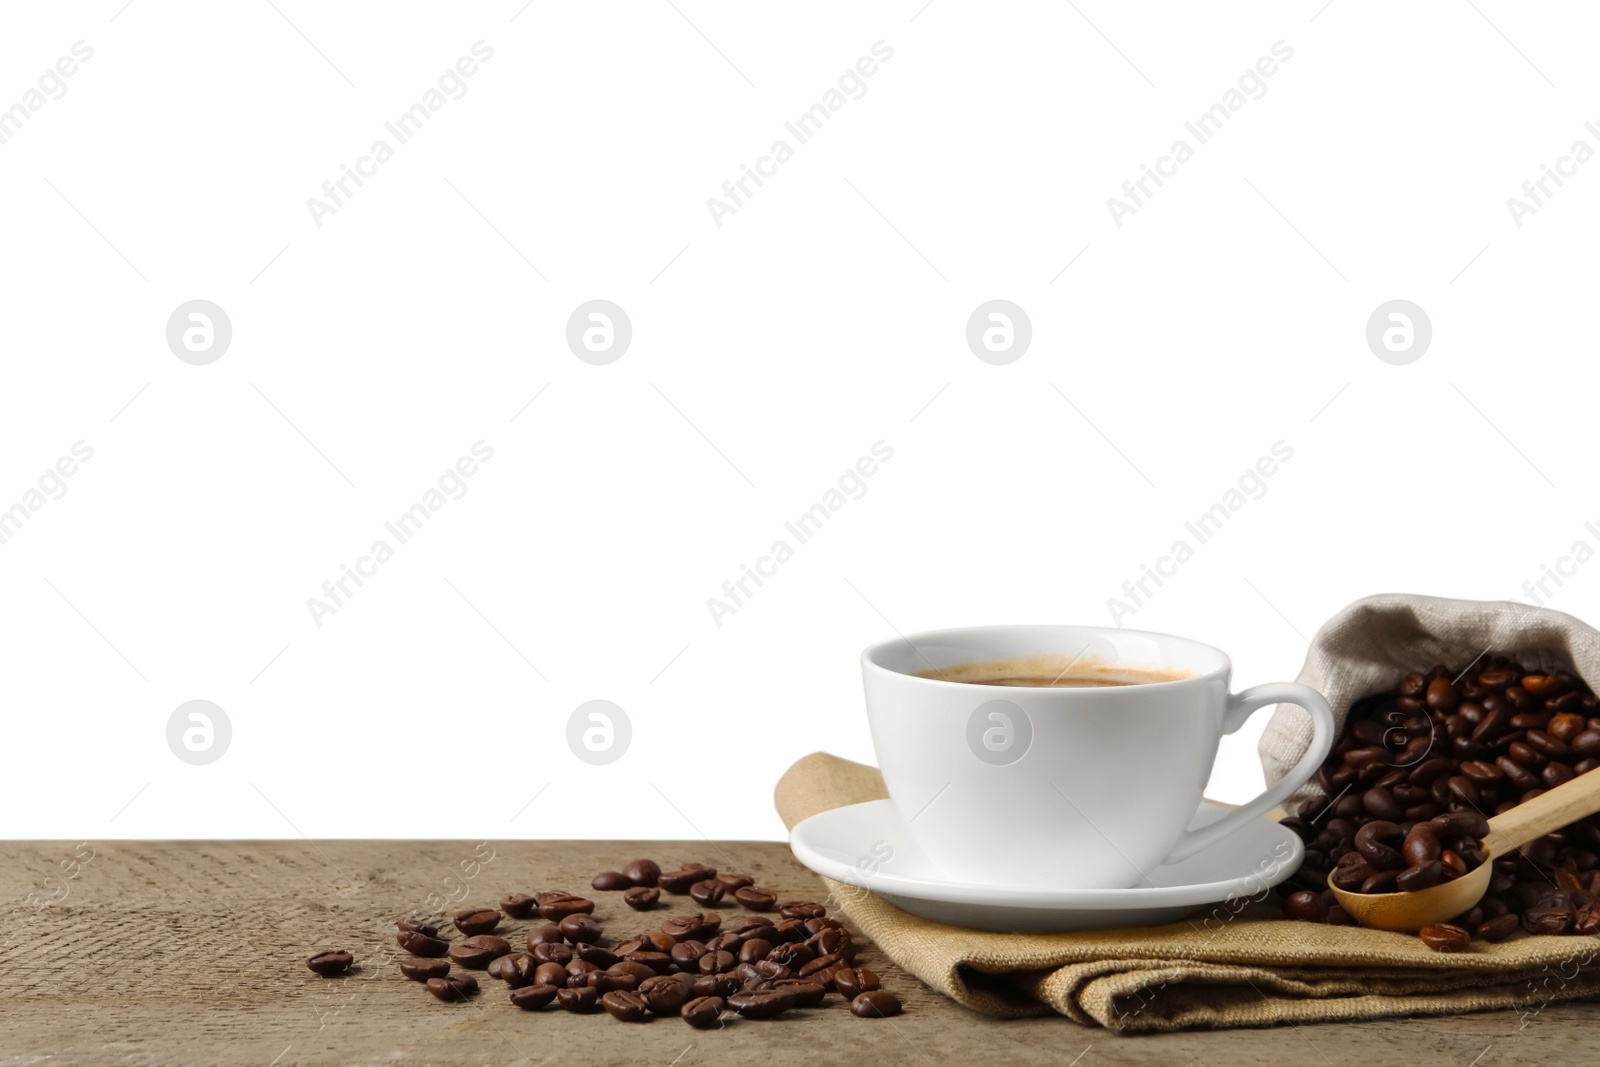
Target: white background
[{"x": 768, "y": 354}]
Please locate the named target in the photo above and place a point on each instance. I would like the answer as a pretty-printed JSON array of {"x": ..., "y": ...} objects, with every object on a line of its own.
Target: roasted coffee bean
[
  {"x": 551, "y": 952},
  {"x": 476, "y": 952},
  {"x": 1421, "y": 844},
  {"x": 717, "y": 985},
  {"x": 580, "y": 1000},
  {"x": 641, "y": 898},
  {"x": 519, "y": 905},
  {"x": 1428, "y": 770},
  {"x": 755, "y": 948},
  {"x": 625, "y": 1006},
  {"x": 716, "y": 962},
  {"x": 762, "y": 1003},
  {"x": 1419, "y": 876},
  {"x": 687, "y": 953},
  {"x": 771, "y": 969},
  {"x": 604, "y": 982},
  {"x": 550, "y": 973},
  {"x": 418, "y": 925},
  {"x": 802, "y": 910},
  {"x": 611, "y": 881},
  {"x": 545, "y": 935},
  {"x": 1350, "y": 872},
  {"x": 579, "y": 970},
  {"x": 1586, "y": 919},
  {"x": 1381, "y": 804},
  {"x": 821, "y": 968},
  {"x": 1586, "y": 745},
  {"x": 580, "y": 929},
  {"x": 1443, "y": 937},
  {"x": 696, "y": 927},
  {"x": 1442, "y": 696},
  {"x": 757, "y": 899},
  {"x": 702, "y": 1013},
  {"x": 533, "y": 997},
  {"x": 1381, "y": 882},
  {"x": 1552, "y": 915},
  {"x": 642, "y": 872},
  {"x": 1373, "y": 842},
  {"x": 453, "y": 988},
  {"x": 1451, "y": 864},
  {"x": 875, "y": 1004},
  {"x": 787, "y": 930},
  {"x": 553, "y": 907},
  {"x": 330, "y": 962},
  {"x": 1304, "y": 905},
  {"x": 420, "y": 944},
  {"x": 1496, "y": 929},
  {"x": 1458, "y": 824},
  {"x": 664, "y": 994},
  {"x": 793, "y": 954},
  {"x": 473, "y": 921},
  {"x": 658, "y": 962},
  {"x": 678, "y": 882},
  {"x": 806, "y": 993},
  {"x": 515, "y": 970},
  {"x": 850, "y": 981},
  {"x": 707, "y": 893},
  {"x": 600, "y": 957},
  {"x": 420, "y": 970},
  {"x": 731, "y": 882},
  {"x": 639, "y": 970}
]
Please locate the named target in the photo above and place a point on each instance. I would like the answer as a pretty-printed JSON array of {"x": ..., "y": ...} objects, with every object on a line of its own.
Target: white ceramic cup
[{"x": 1071, "y": 788}]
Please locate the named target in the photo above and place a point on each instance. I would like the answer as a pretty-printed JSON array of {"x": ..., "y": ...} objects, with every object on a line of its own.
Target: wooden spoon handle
[{"x": 1546, "y": 812}]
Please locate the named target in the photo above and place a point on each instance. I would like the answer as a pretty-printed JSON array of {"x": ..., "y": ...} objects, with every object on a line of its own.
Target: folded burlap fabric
[{"x": 1247, "y": 969}]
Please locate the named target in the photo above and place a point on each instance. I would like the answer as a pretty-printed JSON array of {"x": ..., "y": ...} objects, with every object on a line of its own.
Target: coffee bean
[
  {"x": 1421, "y": 844},
  {"x": 703, "y": 1012},
  {"x": 1442, "y": 696},
  {"x": 875, "y": 1004},
  {"x": 420, "y": 944},
  {"x": 1496, "y": 929},
  {"x": 731, "y": 882},
  {"x": 755, "y": 948},
  {"x": 755, "y": 898},
  {"x": 793, "y": 955},
  {"x": 546, "y": 952},
  {"x": 515, "y": 969},
  {"x": 1304, "y": 905},
  {"x": 642, "y": 872},
  {"x": 580, "y": 1000},
  {"x": 476, "y": 952},
  {"x": 580, "y": 929},
  {"x": 1376, "y": 842},
  {"x": 716, "y": 962},
  {"x": 545, "y": 935},
  {"x": 420, "y": 970},
  {"x": 806, "y": 992},
  {"x": 635, "y": 968},
  {"x": 611, "y": 881},
  {"x": 550, "y": 973},
  {"x": 1443, "y": 937},
  {"x": 519, "y": 905},
  {"x": 534, "y": 997},
  {"x": 658, "y": 962},
  {"x": 553, "y": 907},
  {"x": 687, "y": 953},
  {"x": 1586, "y": 919},
  {"x": 453, "y": 988},
  {"x": 600, "y": 957},
  {"x": 762, "y": 1003},
  {"x": 802, "y": 910},
  {"x": 330, "y": 962},
  {"x": 717, "y": 985},
  {"x": 664, "y": 994},
  {"x": 642, "y": 898},
  {"x": 1552, "y": 915},
  {"x": 692, "y": 927},
  {"x": 707, "y": 893},
  {"x": 850, "y": 981},
  {"x": 421, "y": 927},
  {"x": 1420, "y": 876},
  {"x": 625, "y": 1006},
  {"x": 477, "y": 920},
  {"x": 679, "y": 881}
]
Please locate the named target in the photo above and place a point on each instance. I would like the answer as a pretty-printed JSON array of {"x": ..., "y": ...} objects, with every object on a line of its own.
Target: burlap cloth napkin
[{"x": 1250, "y": 970}]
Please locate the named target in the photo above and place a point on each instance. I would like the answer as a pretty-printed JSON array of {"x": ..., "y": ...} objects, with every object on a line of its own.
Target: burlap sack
[
  {"x": 1370, "y": 645},
  {"x": 1224, "y": 968}
]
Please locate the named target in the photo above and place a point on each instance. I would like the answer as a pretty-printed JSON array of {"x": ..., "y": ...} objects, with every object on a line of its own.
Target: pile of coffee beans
[
  {"x": 696, "y": 966},
  {"x": 1417, "y": 774}
]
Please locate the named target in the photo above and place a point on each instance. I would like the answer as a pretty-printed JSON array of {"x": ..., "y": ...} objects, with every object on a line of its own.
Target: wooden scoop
[{"x": 1409, "y": 912}]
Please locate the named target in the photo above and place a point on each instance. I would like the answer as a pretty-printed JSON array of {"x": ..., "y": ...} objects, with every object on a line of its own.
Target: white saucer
[{"x": 866, "y": 845}]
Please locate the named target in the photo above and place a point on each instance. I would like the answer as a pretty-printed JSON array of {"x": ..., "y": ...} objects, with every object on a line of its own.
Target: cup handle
[{"x": 1240, "y": 707}]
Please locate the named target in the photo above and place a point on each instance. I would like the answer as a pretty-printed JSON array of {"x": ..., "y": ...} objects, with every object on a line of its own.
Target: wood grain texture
[{"x": 135, "y": 953}]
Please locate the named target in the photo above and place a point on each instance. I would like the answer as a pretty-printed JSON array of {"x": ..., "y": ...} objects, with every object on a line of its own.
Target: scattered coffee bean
[
  {"x": 515, "y": 970},
  {"x": 642, "y": 898},
  {"x": 1306, "y": 906},
  {"x": 755, "y": 898},
  {"x": 642, "y": 872},
  {"x": 707, "y": 893},
  {"x": 519, "y": 905},
  {"x": 600, "y": 957},
  {"x": 551, "y": 974},
  {"x": 717, "y": 985},
  {"x": 806, "y": 992},
  {"x": 453, "y": 988},
  {"x": 802, "y": 910},
  {"x": 664, "y": 994},
  {"x": 875, "y": 1004},
  {"x": 420, "y": 944},
  {"x": 580, "y": 1000},
  {"x": 420, "y": 970},
  {"x": 703, "y": 1012},
  {"x": 1496, "y": 929},
  {"x": 477, "y": 920},
  {"x": 611, "y": 881},
  {"x": 552, "y": 952},
  {"x": 1443, "y": 937},
  {"x": 533, "y": 997},
  {"x": 625, "y": 1006},
  {"x": 678, "y": 882},
  {"x": 553, "y": 907},
  {"x": 731, "y": 882},
  {"x": 330, "y": 962},
  {"x": 762, "y": 1003},
  {"x": 419, "y": 926},
  {"x": 545, "y": 935},
  {"x": 580, "y": 929},
  {"x": 476, "y": 952},
  {"x": 851, "y": 981}
]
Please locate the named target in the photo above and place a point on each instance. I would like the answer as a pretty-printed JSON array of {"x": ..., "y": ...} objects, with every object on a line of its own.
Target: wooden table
[{"x": 134, "y": 953}]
